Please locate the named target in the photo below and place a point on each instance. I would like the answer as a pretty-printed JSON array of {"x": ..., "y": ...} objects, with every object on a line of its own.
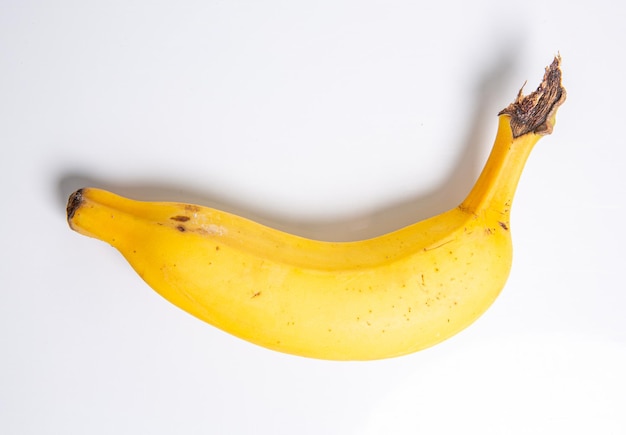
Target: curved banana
[{"x": 377, "y": 298}]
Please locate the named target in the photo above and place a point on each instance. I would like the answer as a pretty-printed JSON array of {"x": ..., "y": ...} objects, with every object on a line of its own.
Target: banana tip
[
  {"x": 73, "y": 203},
  {"x": 534, "y": 113}
]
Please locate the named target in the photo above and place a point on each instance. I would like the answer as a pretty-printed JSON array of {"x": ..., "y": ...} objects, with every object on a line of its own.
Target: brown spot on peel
[{"x": 180, "y": 218}]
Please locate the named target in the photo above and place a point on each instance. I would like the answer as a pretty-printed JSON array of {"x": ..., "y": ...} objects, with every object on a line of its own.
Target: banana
[{"x": 378, "y": 298}]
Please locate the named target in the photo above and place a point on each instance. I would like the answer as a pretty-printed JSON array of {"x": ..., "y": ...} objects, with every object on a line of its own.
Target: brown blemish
[
  {"x": 181, "y": 228},
  {"x": 192, "y": 208},
  {"x": 256, "y": 294},
  {"x": 180, "y": 218},
  {"x": 504, "y": 226}
]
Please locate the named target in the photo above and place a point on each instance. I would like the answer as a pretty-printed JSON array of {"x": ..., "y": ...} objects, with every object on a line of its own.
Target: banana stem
[
  {"x": 521, "y": 125},
  {"x": 496, "y": 185}
]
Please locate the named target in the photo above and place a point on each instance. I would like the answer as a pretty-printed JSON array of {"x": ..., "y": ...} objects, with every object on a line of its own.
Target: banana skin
[{"x": 363, "y": 300}]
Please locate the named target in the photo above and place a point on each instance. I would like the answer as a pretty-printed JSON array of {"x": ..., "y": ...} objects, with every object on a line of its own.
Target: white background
[{"x": 330, "y": 119}]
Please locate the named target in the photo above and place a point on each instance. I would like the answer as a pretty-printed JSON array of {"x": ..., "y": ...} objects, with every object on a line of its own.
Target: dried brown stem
[{"x": 534, "y": 113}]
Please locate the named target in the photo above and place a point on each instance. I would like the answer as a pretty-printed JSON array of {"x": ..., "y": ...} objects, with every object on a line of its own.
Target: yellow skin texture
[{"x": 383, "y": 297}]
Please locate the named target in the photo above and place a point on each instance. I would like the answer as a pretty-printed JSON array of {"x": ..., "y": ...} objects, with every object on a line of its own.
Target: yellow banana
[{"x": 370, "y": 299}]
